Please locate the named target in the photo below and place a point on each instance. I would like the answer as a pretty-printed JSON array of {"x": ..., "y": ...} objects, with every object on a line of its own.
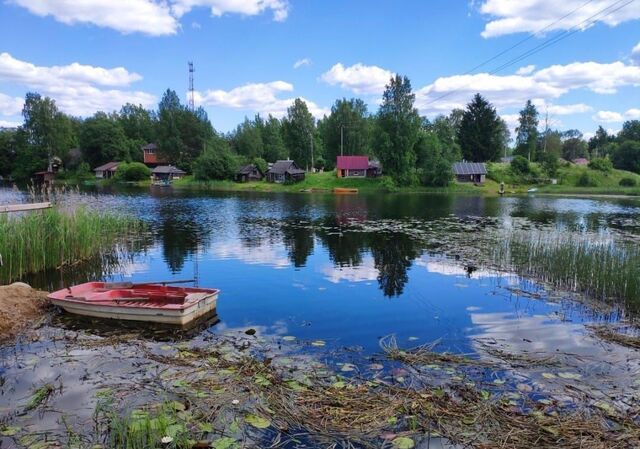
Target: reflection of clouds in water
[
  {"x": 278, "y": 328},
  {"x": 366, "y": 271},
  {"x": 263, "y": 254},
  {"x": 450, "y": 268},
  {"x": 129, "y": 269}
]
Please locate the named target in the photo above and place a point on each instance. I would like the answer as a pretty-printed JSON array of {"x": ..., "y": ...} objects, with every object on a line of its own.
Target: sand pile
[{"x": 19, "y": 306}]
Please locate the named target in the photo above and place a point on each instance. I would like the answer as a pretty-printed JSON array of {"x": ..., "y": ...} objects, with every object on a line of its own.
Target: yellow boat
[{"x": 344, "y": 190}]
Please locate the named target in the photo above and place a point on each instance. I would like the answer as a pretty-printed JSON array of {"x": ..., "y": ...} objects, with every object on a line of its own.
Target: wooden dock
[{"x": 24, "y": 207}]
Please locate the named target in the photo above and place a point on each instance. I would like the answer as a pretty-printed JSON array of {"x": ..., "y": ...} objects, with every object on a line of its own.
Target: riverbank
[{"x": 20, "y": 307}]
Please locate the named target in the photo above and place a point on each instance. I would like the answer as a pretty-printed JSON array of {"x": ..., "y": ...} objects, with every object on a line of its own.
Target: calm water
[{"x": 347, "y": 269}]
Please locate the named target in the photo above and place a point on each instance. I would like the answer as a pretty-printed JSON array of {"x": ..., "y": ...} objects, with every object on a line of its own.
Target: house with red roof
[{"x": 357, "y": 167}]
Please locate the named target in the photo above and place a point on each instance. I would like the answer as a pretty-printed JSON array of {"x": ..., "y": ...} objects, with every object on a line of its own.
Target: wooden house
[
  {"x": 107, "y": 170},
  {"x": 470, "y": 172},
  {"x": 357, "y": 167},
  {"x": 167, "y": 173},
  {"x": 150, "y": 156},
  {"x": 248, "y": 173},
  {"x": 285, "y": 171}
]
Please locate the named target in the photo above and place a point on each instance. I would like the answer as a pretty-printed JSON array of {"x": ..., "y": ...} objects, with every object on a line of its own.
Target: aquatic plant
[
  {"x": 50, "y": 239},
  {"x": 601, "y": 268}
]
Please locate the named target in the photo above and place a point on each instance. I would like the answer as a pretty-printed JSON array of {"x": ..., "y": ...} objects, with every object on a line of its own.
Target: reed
[
  {"x": 602, "y": 268},
  {"x": 54, "y": 239}
]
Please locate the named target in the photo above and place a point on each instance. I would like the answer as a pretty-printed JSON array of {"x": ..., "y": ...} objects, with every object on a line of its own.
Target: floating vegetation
[
  {"x": 53, "y": 239},
  {"x": 39, "y": 397},
  {"x": 617, "y": 335},
  {"x": 423, "y": 354},
  {"x": 603, "y": 269}
]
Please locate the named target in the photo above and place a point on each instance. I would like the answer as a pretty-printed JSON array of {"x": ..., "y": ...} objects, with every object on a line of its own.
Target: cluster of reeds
[
  {"x": 601, "y": 268},
  {"x": 51, "y": 239}
]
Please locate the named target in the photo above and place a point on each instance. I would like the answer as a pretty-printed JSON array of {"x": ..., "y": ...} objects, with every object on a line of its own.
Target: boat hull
[{"x": 175, "y": 317}]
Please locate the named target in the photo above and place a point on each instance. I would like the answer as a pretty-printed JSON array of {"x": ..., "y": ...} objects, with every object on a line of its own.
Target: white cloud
[
  {"x": 561, "y": 109},
  {"x": 78, "y": 89},
  {"x": 9, "y": 124},
  {"x": 526, "y": 70},
  {"x": 508, "y": 16},
  {"x": 280, "y": 8},
  {"x": 359, "y": 78},
  {"x": 616, "y": 117},
  {"x": 635, "y": 53},
  {"x": 152, "y": 17},
  {"x": 546, "y": 84},
  {"x": 144, "y": 16},
  {"x": 10, "y": 105},
  {"x": 196, "y": 25},
  {"x": 301, "y": 62},
  {"x": 608, "y": 117},
  {"x": 257, "y": 97}
]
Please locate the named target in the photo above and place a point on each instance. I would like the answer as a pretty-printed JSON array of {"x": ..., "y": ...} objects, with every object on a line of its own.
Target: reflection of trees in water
[
  {"x": 299, "y": 244},
  {"x": 393, "y": 255},
  {"x": 345, "y": 249},
  {"x": 181, "y": 232}
]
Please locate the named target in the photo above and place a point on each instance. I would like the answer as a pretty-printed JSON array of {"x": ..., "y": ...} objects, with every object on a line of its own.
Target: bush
[
  {"x": 601, "y": 164},
  {"x": 520, "y": 165},
  {"x": 586, "y": 181},
  {"x": 550, "y": 164},
  {"x": 260, "y": 163},
  {"x": 135, "y": 171},
  {"x": 628, "y": 182},
  {"x": 627, "y": 156},
  {"x": 215, "y": 164}
]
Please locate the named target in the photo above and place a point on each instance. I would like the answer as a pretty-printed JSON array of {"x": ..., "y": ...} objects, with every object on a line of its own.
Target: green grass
[
  {"x": 37, "y": 241},
  {"x": 603, "y": 269}
]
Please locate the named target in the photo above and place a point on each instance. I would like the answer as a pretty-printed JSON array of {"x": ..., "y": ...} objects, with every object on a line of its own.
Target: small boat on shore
[
  {"x": 155, "y": 303},
  {"x": 532, "y": 190},
  {"x": 344, "y": 190}
]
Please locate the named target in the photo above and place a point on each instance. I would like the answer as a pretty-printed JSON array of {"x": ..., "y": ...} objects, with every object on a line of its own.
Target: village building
[
  {"x": 248, "y": 173},
  {"x": 150, "y": 156},
  {"x": 357, "y": 167},
  {"x": 285, "y": 171},
  {"x": 470, "y": 172},
  {"x": 167, "y": 173},
  {"x": 581, "y": 161},
  {"x": 44, "y": 177},
  {"x": 106, "y": 171}
]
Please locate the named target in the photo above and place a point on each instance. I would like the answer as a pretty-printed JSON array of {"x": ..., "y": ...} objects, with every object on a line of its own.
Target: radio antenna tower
[{"x": 192, "y": 101}]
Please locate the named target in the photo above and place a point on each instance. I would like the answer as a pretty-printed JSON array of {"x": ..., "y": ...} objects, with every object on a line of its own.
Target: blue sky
[{"x": 97, "y": 54}]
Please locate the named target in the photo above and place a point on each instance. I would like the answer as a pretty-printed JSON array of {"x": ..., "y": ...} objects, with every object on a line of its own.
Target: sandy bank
[{"x": 19, "y": 306}]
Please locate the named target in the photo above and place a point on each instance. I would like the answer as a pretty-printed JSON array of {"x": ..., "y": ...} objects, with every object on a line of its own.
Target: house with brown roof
[
  {"x": 357, "y": 167},
  {"x": 150, "y": 155},
  {"x": 285, "y": 171},
  {"x": 470, "y": 172},
  {"x": 248, "y": 173},
  {"x": 167, "y": 173},
  {"x": 107, "y": 170}
]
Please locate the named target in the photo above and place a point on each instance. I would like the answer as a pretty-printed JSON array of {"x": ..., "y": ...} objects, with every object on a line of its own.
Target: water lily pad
[
  {"x": 572, "y": 376},
  {"x": 348, "y": 367},
  {"x": 257, "y": 421},
  {"x": 259, "y": 379},
  {"x": 224, "y": 443},
  {"x": 318, "y": 343},
  {"x": 549, "y": 375},
  {"x": 339, "y": 384},
  {"x": 9, "y": 431},
  {"x": 498, "y": 381},
  {"x": 403, "y": 443},
  {"x": 295, "y": 386},
  {"x": 165, "y": 347},
  {"x": 289, "y": 338}
]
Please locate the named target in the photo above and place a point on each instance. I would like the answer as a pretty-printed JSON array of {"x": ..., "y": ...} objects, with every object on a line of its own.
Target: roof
[
  {"x": 150, "y": 146},
  {"x": 168, "y": 169},
  {"x": 109, "y": 166},
  {"x": 248, "y": 169},
  {"x": 580, "y": 161},
  {"x": 282, "y": 167},
  {"x": 469, "y": 168},
  {"x": 352, "y": 162}
]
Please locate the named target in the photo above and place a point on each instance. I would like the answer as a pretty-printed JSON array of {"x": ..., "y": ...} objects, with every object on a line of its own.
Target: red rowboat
[{"x": 137, "y": 302}]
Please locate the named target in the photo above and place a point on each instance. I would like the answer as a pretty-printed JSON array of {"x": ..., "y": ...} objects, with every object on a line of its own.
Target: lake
[{"x": 348, "y": 270}]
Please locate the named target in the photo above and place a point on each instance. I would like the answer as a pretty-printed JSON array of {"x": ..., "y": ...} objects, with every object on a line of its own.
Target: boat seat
[
  {"x": 197, "y": 296},
  {"x": 117, "y": 285}
]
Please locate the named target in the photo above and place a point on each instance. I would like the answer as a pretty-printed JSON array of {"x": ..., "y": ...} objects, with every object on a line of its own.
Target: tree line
[{"x": 412, "y": 149}]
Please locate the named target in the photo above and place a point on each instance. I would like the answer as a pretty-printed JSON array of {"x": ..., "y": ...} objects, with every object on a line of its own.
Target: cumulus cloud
[
  {"x": 507, "y": 16},
  {"x": 10, "y": 105},
  {"x": 151, "y": 17},
  {"x": 546, "y": 84},
  {"x": 527, "y": 70},
  {"x": 616, "y": 117},
  {"x": 257, "y": 97},
  {"x": 301, "y": 62},
  {"x": 635, "y": 53},
  {"x": 359, "y": 78},
  {"x": 279, "y": 8},
  {"x": 9, "y": 124},
  {"x": 78, "y": 89}
]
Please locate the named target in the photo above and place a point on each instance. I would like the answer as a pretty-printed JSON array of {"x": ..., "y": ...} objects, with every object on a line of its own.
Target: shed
[
  {"x": 249, "y": 172},
  {"x": 581, "y": 161},
  {"x": 107, "y": 170},
  {"x": 285, "y": 171},
  {"x": 167, "y": 173},
  {"x": 44, "y": 177},
  {"x": 470, "y": 171}
]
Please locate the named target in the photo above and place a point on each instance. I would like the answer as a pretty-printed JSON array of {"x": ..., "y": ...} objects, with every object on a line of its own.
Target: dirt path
[{"x": 19, "y": 306}]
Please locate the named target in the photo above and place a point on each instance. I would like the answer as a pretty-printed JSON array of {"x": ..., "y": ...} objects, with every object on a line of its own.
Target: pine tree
[{"x": 481, "y": 135}]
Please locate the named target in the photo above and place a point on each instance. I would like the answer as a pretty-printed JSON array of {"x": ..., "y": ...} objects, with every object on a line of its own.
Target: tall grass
[
  {"x": 601, "y": 268},
  {"x": 42, "y": 240}
]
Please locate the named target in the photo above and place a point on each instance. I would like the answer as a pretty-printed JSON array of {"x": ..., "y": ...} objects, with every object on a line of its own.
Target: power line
[{"x": 549, "y": 42}]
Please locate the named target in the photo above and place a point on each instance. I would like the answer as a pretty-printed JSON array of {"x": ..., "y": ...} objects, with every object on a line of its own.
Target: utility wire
[{"x": 549, "y": 42}]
